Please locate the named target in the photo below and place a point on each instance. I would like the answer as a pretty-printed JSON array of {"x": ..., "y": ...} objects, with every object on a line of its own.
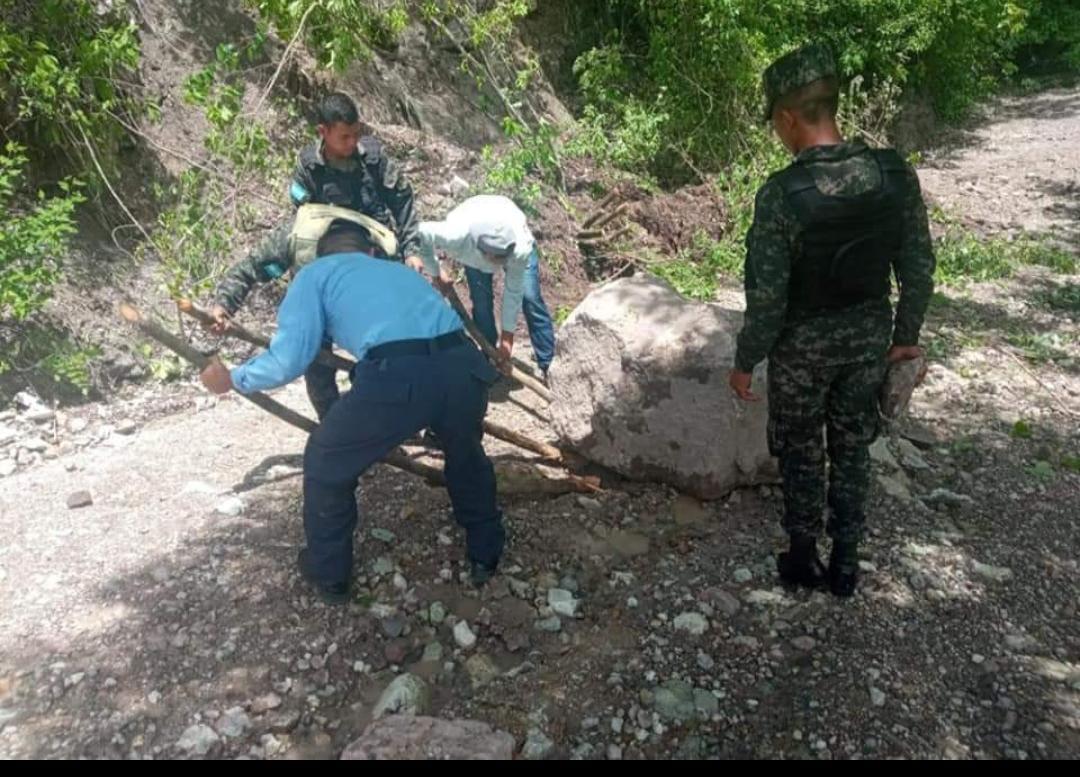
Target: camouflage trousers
[{"x": 814, "y": 408}]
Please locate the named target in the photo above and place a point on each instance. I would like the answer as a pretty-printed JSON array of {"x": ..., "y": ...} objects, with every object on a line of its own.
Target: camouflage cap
[{"x": 794, "y": 70}]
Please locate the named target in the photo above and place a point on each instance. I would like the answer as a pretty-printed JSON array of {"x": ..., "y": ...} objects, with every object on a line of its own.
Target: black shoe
[
  {"x": 480, "y": 573},
  {"x": 800, "y": 565},
  {"x": 844, "y": 569},
  {"x": 329, "y": 593}
]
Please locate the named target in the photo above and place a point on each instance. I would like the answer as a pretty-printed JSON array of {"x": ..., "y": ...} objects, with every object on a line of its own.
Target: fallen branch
[
  {"x": 600, "y": 209},
  {"x": 607, "y": 218},
  {"x": 527, "y": 381},
  {"x": 327, "y": 357},
  {"x": 341, "y": 363},
  {"x": 512, "y": 477}
]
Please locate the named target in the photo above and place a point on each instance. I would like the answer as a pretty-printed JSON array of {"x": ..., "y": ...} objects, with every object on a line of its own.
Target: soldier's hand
[
  {"x": 215, "y": 376},
  {"x": 222, "y": 319},
  {"x": 414, "y": 263},
  {"x": 903, "y": 353},
  {"x": 740, "y": 384}
]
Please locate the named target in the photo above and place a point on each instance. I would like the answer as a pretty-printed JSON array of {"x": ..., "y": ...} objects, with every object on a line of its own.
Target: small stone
[
  {"x": 383, "y": 566},
  {"x": 264, "y": 704},
  {"x": 763, "y": 597},
  {"x": 880, "y": 453},
  {"x": 991, "y": 573},
  {"x": 910, "y": 455},
  {"x": 437, "y": 613},
  {"x": 393, "y": 627},
  {"x": 396, "y": 651},
  {"x": 7, "y": 434},
  {"x": 464, "y": 636},
  {"x": 705, "y": 703},
  {"x": 233, "y": 723},
  {"x": 743, "y": 575},
  {"x": 674, "y": 701},
  {"x": 7, "y": 467},
  {"x": 895, "y": 487},
  {"x": 945, "y": 497},
  {"x": 723, "y": 601},
  {"x": 588, "y": 503},
  {"x": 552, "y": 624},
  {"x": 231, "y": 506},
  {"x": 704, "y": 660},
  {"x": 400, "y": 583},
  {"x": 1021, "y": 643},
  {"x": 562, "y": 602},
  {"x": 459, "y": 187},
  {"x": 693, "y": 623},
  {"x": 406, "y": 695},
  {"x": 126, "y": 426},
  {"x": 383, "y": 535},
  {"x": 805, "y": 643},
  {"x": 632, "y": 602},
  {"x": 481, "y": 670},
  {"x": 614, "y": 753},
  {"x": 433, "y": 653},
  {"x": 877, "y": 697},
  {"x": 520, "y": 588},
  {"x": 537, "y": 746},
  {"x": 77, "y": 425},
  {"x": 977, "y": 658},
  {"x": 79, "y": 499},
  {"x": 198, "y": 739}
]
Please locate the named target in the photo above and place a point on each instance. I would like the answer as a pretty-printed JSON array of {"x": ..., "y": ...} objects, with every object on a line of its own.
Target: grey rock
[
  {"x": 640, "y": 386},
  {"x": 407, "y": 694},
  {"x": 401, "y": 738}
]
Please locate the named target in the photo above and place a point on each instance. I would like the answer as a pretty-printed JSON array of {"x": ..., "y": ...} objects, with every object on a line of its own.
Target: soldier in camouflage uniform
[
  {"x": 349, "y": 170},
  {"x": 829, "y": 233}
]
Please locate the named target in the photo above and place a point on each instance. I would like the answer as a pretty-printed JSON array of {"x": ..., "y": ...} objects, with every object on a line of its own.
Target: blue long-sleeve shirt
[{"x": 353, "y": 300}]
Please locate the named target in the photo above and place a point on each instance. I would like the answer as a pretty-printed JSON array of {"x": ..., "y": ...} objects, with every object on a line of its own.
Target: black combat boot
[
  {"x": 844, "y": 568},
  {"x": 800, "y": 565}
]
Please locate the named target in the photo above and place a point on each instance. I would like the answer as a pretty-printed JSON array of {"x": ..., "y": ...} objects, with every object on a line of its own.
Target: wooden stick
[
  {"x": 341, "y": 363},
  {"x": 509, "y": 475},
  {"x": 601, "y": 208},
  {"x": 396, "y": 458},
  {"x": 527, "y": 381},
  {"x": 327, "y": 357},
  {"x": 608, "y": 218}
]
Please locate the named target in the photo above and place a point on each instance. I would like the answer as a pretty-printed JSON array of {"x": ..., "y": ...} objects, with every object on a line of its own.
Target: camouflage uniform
[
  {"x": 827, "y": 362},
  {"x": 369, "y": 182}
]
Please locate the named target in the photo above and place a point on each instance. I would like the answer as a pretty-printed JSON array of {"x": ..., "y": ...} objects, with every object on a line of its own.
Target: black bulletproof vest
[{"x": 849, "y": 243}]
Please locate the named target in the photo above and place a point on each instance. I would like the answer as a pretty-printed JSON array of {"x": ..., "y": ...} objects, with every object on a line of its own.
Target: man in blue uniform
[{"x": 415, "y": 369}]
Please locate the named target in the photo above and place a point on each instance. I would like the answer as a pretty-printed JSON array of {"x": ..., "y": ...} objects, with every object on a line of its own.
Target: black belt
[{"x": 417, "y": 347}]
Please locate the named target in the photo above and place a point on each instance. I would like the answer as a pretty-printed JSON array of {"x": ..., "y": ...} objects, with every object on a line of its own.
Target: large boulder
[
  {"x": 407, "y": 738},
  {"x": 640, "y": 384}
]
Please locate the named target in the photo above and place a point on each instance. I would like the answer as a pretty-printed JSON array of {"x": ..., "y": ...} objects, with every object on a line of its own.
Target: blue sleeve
[{"x": 301, "y": 323}]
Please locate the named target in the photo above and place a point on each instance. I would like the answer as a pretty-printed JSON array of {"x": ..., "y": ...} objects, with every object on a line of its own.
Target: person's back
[{"x": 829, "y": 233}]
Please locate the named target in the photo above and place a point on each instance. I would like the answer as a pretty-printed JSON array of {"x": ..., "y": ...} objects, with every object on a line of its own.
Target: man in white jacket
[{"x": 487, "y": 233}]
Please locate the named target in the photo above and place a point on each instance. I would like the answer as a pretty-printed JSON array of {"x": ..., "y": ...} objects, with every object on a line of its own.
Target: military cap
[{"x": 795, "y": 70}]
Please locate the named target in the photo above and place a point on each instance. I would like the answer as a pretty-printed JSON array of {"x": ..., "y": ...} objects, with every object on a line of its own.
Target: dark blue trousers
[{"x": 390, "y": 401}]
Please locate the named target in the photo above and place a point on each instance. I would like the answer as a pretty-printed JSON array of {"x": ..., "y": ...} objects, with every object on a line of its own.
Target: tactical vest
[
  {"x": 312, "y": 222},
  {"x": 849, "y": 243}
]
